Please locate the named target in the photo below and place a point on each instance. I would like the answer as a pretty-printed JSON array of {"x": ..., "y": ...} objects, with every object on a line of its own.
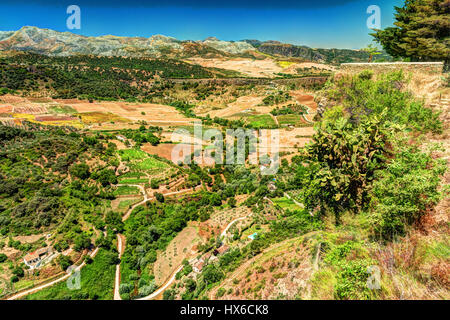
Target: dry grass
[{"x": 183, "y": 246}]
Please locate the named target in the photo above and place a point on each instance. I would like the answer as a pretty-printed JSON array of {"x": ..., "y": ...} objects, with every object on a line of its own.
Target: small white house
[{"x": 33, "y": 259}]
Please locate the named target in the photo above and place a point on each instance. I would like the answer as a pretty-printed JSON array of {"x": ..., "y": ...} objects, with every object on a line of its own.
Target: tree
[
  {"x": 159, "y": 196},
  {"x": 215, "y": 200},
  {"x": 420, "y": 32},
  {"x": 3, "y": 257},
  {"x": 82, "y": 241},
  {"x": 342, "y": 160},
  {"x": 371, "y": 50},
  {"x": 232, "y": 202},
  {"x": 80, "y": 171},
  {"x": 107, "y": 176},
  {"x": 18, "y": 271},
  {"x": 154, "y": 184},
  {"x": 64, "y": 262}
]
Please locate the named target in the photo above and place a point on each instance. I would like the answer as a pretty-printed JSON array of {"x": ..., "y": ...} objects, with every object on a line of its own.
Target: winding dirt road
[
  {"x": 121, "y": 248},
  {"x": 164, "y": 287},
  {"x": 224, "y": 232}
]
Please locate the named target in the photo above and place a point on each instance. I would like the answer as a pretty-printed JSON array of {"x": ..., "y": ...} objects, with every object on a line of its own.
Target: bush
[
  {"x": 405, "y": 190},
  {"x": 3, "y": 257},
  {"x": 159, "y": 197},
  {"x": 64, "y": 262},
  {"x": 220, "y": 292},
  {"x": 126, "y": 288},
  {"x": 80, "y": 171},
  {"x": 342, "y": 162},
  {"x": 352, "y": 281}
]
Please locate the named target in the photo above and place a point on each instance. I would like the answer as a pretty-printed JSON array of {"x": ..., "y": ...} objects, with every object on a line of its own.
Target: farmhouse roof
[
  {"x": 36, "y": 254},
  {"x": 223, "y": 249}
]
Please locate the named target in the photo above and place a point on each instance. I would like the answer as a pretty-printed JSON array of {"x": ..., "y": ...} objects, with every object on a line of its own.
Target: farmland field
[
  {"x": 132, "y": 154},
  {"x": 126, "y": 190},
  {"x": 286, "y": 203},
  {"x": 261, "y": 121},
  {"x": 292, "y": 119},
  {"x": 151, "y": 164}
]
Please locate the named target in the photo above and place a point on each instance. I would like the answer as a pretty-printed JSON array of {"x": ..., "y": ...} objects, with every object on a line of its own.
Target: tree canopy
[{"x": 421, "y": 31}]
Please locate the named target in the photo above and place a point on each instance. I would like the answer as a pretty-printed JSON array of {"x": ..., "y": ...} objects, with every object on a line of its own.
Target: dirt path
[
  {"x": 296, "y": 202},
  {"x": 224, "y": 232},
  {"x": 121, "y": 247},
  {"x": 164, "y": 287},
  {"x": 275, "y": 119},
  {"x": 146, "y": 198}
]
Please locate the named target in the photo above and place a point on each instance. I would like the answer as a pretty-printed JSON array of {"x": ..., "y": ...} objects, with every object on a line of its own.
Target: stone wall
[{"x": 430, "y": 68}]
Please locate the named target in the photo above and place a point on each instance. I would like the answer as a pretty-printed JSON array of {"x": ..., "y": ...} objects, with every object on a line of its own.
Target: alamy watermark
[
  {"x": 74, "y": 20},
  {"x": 374, "y": 280},
  {"x": 74, "y": 280},
  {"x": 374, "y": 20}
]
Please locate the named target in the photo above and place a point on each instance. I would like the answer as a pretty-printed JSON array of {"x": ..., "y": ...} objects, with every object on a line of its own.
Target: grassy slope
[{"x": 97, "y": 282}]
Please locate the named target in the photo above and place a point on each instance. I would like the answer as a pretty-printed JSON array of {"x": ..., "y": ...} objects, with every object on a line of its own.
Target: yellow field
[
  {"x": 285, "y": 64},
  {"x": 100, "y": 117}
]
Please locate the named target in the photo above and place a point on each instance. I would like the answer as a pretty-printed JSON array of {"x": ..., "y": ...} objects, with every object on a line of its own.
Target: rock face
[
  {"x": 56, "y": 43},
  {"x": 289, "y": 50},
  {"x": 334, "y": 56},
  {"x": 50, "y": 42}
]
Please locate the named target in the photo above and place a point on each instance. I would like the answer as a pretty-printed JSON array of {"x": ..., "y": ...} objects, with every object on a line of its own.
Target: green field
[
  {"x": 132, "y": 174},
  {"x": 150, "y": 164},
  {"x": 97, "y": 282},
  {"x": 291, "y": 119},
  {"x": 261, "y": 121},
  {"x": 61, "y": 109},
  {"x": 126, "y": 190},
  {"x": 132, "y": 154},
  {"x": 125, "y": 204},
  {"x": 286, "y": 203},
  {"x": 133, "y": 180}
]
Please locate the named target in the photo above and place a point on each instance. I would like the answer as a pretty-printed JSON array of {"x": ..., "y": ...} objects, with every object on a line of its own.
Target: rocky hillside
[
  {"x": 56, "y": 43},
  {"x": 333, "y": 56}
]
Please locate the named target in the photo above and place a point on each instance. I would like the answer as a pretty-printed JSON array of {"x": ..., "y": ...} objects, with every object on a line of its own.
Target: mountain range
[{"x": 55, "y": 43}]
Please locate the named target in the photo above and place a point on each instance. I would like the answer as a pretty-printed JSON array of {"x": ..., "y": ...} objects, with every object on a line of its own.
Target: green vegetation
[
  {"x": 263, "y": 121},
  {"x": 289, "y": 109},
  {"x": 276, "y": 98},
  {"x": 61, "y": 109},
  {"x": 286, "y": 203},
  {"x": 132, "y": 154},
  {"x": 420, "y": 32},
  {"x": 35, "y": 192},
  {"x": 126, "y": 190},
  {"x": 151, "y": 163},
  {"x": 93, "y": 77},
  {"x": 359, "y": 161},
  {"x": 102, "y": 268}
]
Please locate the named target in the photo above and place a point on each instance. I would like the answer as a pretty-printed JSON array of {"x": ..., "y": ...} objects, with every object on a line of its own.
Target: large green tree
[{"x": 421, "y": 31}]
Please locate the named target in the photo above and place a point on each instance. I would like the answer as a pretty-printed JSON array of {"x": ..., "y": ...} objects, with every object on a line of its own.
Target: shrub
[{"x": 3, "y": 257}]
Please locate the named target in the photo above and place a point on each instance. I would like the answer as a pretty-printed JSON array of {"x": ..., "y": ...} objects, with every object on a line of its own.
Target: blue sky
[{"x": 319, "y": 23}]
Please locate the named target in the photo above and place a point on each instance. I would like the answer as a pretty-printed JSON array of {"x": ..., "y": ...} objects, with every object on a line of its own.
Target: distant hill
[
  {"x": 54, "y": 43},
  {"x": 332, "y": 56}
]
